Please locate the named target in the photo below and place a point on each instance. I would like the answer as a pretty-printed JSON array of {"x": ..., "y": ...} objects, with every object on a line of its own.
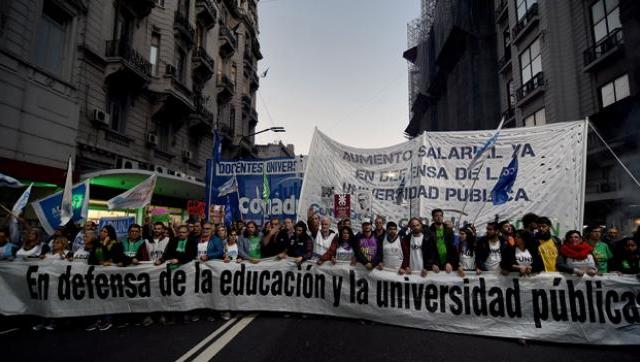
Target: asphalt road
[{"x": 271, "y": 337}]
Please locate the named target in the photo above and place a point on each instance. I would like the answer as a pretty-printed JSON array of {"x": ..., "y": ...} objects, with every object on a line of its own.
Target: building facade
[
  {"x": 134, "y": 85},
  {"x": 561, "y": 61}
]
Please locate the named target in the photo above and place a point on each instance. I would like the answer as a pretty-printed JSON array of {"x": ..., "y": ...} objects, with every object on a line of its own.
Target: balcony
[
  {"x": 226, "y": 88},
  {"x": 247, "y": 68},
  {"x": 183, "y": 29},
  {"x": 254, "y": 81},
  {"x": 203, "y": 65},
  {"x": 255, "y": 48},
  {"x": 253, "y": 118},
  {"x": 141, "y": 8},
  {"x": 525, "y": 24},
  {"x": 175, "y": 100},
  {"x": 502, "y": 10},
  {"x": 202, "y": 118},
  {"x": 206, "y": 13},
  {"x": 534, "y": 86},
  {"x": 594, "y": 56},
  {"x": 246, "y": 102},
  {"x": 126, "y": 66},
  {"x": 228, "y": 42},
  {"x": 504, "y": 63}
]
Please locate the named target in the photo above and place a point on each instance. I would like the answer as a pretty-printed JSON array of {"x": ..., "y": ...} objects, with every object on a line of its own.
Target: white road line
[
  {"x": 206, "y": 340},
  {"x": 219, "y": 344},
  {"x": 9, "y": 331}
]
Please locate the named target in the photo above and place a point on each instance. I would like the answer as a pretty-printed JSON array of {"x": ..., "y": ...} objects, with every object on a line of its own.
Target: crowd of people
[{"x": 416, "y": 248}]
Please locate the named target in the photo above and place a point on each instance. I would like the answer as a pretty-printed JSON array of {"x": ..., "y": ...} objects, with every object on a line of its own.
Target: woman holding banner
[
  {"x": 249, "y": 245},
  {"x": 466, "y": 250},
  {"x": 576, "y": 256},
  {"x": 109, "y": 251},
  {"x": 33, "y": 247},
  {"x": 523, "y": 256},
  {"x": 341, "y": 248}
]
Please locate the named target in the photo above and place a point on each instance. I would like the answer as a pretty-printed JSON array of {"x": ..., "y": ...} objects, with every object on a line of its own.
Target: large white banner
[
  {"x": 430, "y": 171},
  {"x": 548, "y": 306}
]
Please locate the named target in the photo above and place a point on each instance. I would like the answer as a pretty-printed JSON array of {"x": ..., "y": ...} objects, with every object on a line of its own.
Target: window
[
  {"x": 522, "y": 6},
  {"x": 181, "y": 65},
  {"x": 201, "y": 36},
  {"x": 117, "y": 106},
  {"x": 194, "y": 147},
  {"x": 530, "y": 61},
  {"x": 511, "y": 95},
  {"x": 614, "y": 91},
  {"x": 506, "y": 38},
  {"x": 535, "y": 119},
  {"x": 153, "y": 53},
  {"x": 50, "y": 39},
  {"x": 605, "y": 18},
  {"x": 164, "y": 135},
  {"x": 183, "y": 8},
  {"x": 232, "y": 121}
]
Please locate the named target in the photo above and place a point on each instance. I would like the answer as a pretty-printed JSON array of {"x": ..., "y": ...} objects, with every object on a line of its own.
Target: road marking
[
  {"x": 219, "y": 344},
  {"x": 202, "y": 343},
  {"x": 9, "y": 331}
]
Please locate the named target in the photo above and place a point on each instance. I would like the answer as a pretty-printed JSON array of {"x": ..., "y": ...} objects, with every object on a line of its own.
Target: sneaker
[
  {"x": 92, "y": 327},
  {"x": 105, "y": 326},
  {"x": 123, "y": 324},
  {"x": 38, "y": 327},
  {"x": 50, "y": 326},
  {"x": 147, "y": 321},
  {"x": 225, "y": 316},
  {"x": 211, "y": 318},
  {"x": 195, "y": 318}
]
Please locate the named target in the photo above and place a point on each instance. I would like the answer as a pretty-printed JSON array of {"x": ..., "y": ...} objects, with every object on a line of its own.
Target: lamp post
[{"x": 274, "y": 129}]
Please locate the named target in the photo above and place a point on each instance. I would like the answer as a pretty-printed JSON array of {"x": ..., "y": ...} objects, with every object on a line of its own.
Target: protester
[
  {"x": 530, "y": 223},
  {"x": 231, "y": 251},
  {"x": 466, "y": 251},
  {"x": 83, "y": 255},
  {"x": 78, "y": 241},
  {"x": 379, "y": 230},
  {"x": 523, "y": 256},
  {"x": 626, "y": 262},
  {"x": 395, "y": 251},
  {"x": 313, "y": 223},
  {"x": 548, "y": 245},
  {"x": 109, "y": 251},
  {"x": 7, "y": 248},
  {"x": 301, "y": 247},
  {"x": 58, "y": 249},
  {"x": 134, "y": 245},
  {"x": 283, "y": 239},
  {"x": 249, "y": 245},
  {"x": 157, "y": 242},
  {"x": 445, "y": 254},
  {"x": 489, "y": 250},
  {"x": 270, "y": 245},
  {"x": 211, "y": 246},
  {"x": 180, "y": 250},
  {"x": 507, "y": 232},
  {"x": 58, "y": 232},
  {"x": 196, "y": 231},
  {"x": 323, "y": 239},
  {"x": 367, "y": 248},
  {"x": 575, "y": 256},
  {"x": 613, "y": 236},
  {"x": 601, "y": 251},
  {"x": 420, "y": 242},
  {"x": 341, "y": 248},
  {"x": 33, "y": 247}
]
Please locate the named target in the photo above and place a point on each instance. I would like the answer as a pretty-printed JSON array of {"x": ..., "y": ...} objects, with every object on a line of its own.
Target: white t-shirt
[
  {"x": 231, "y": 251},
  {"x": 202, "y": 248},
  {"x": 81, "y": 256},
  {"x": 392, "y": 253},
  {"x": 415, "y": 257},
  {"x": 468, "y": 259},
  {"x": 344, "y": 252},
  {"x": 494, "y": 258},
  {"x": 584, "y": 264},
  {"x": 523, "y": 257},
  {"x": 31, "y": 253},
  {"x": 155, "y": 248},
  {"x": 52, "y": 256},
  {"x": 322, "y": 244}
]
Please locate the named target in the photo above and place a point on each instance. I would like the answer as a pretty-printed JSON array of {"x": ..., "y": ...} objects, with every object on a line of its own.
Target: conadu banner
[
  {"x": 545, "y": 164},
  {"x": 548, "y": 307}
]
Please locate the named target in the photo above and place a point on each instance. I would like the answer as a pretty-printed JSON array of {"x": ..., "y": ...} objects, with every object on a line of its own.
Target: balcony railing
[
  {"x": 604, "y": 46},
  {"x": 529, "y": 17},
  {"x": 203, "y": 65},
  {"x": 201, "y": 110},
  {"x": 206, "y": 13},
  {"x": 535, "y": 83},
  {"x": 505, "y": 60},
  {"x": 182, "y": 25},
  {"x": 229, "y": 42},
  {"x": 141, "y": 8},
  {"x": 246, "y": 102},
  {"x": 122, "y": 49}
]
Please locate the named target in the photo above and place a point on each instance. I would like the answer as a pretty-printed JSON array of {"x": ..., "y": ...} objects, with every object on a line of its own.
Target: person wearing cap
[{"x": 368, "y": 250}]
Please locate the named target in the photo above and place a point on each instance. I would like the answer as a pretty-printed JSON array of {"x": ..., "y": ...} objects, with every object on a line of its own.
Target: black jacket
[
  {"x": 428, "y": 248},
  {"x": 190, "y": 251},
  {"x": 482, "y": 251}
]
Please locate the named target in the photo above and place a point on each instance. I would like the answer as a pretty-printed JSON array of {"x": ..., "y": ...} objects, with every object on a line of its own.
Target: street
[{"x": 272, "y": 337}]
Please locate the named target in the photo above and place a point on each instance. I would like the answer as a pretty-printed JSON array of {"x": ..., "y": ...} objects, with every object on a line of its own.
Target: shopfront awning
[{"x": 167, "y": 185}]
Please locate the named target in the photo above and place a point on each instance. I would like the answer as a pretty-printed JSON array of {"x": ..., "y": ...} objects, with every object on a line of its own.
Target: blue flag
[
  {"x": 500, "y": 191},
  {"x": 228, "y": 212}
]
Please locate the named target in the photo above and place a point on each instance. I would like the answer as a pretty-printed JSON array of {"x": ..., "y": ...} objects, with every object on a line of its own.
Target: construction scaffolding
[{"x": 417, "y": 32}]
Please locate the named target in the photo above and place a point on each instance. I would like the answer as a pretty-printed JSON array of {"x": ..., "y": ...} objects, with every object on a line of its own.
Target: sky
[{"x": 336, "y": 65}]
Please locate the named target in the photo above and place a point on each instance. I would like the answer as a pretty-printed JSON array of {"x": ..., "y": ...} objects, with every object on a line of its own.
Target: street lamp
[{"x": 276, "y": 129}]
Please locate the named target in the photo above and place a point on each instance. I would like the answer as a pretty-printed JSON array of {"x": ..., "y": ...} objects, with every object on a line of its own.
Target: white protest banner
[
  {"x": 139, "y": 196},
  {"x": 549, "y": 306},
  {"x": 431, "y": 171}
]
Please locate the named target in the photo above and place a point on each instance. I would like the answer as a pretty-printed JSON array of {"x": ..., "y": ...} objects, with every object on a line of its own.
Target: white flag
[
  {"x": 139, "y": 196},
  {"x": 22, "y": 201},
  {"x": 9, "y": 181},
  {"x": 66, "y": 207},
  {"x": 228, "y": 187}
]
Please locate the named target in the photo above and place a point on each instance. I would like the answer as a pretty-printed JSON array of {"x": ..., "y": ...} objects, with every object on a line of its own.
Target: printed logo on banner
[
  {"x": 342, "y": 206},
  {"x": 363, "y": 202}
]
